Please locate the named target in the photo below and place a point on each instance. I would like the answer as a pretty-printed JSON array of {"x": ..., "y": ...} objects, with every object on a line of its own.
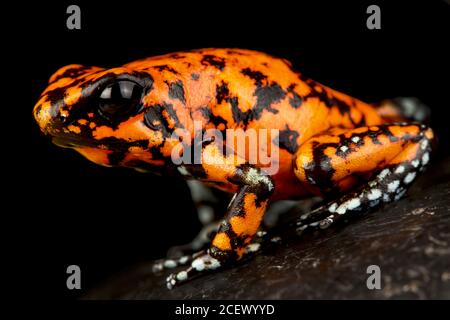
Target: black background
[{"x": 105, "y": 220}]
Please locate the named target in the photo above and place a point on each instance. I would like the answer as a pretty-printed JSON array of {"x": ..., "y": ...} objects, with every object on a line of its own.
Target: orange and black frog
[{"x": 244, "y": 122}]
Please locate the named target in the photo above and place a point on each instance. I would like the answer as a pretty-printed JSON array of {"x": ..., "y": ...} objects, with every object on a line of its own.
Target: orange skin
[{"x": 230, "y": 89}]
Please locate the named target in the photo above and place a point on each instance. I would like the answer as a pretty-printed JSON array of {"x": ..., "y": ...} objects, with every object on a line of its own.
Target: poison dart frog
[{"x": 353, "y": 154}]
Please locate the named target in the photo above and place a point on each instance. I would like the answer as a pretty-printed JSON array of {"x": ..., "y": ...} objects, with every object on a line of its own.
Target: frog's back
[{"x": 235, "y": 88}]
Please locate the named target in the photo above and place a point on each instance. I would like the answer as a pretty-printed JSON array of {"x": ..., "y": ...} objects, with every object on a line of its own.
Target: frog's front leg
[
  {"x": 209, "y": 206},
  {"x": 244, "y": 214}
]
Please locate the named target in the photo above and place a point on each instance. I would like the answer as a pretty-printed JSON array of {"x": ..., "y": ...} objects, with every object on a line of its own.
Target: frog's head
[{"x": 113, "y": 117}]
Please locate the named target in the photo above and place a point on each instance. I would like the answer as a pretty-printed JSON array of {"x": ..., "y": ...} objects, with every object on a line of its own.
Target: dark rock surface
[{"x": 409, "y": 241}]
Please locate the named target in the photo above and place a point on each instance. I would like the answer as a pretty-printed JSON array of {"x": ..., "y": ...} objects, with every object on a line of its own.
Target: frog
[{"x": 356, "y": 156}]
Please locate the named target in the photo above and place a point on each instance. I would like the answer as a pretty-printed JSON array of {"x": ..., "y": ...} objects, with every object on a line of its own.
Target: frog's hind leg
[
  {"x": 403, "y": 108},
  {"x": 334, "y": 163}
]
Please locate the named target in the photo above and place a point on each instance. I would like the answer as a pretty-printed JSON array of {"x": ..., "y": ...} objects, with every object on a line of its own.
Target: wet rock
[{"x": 408, "y": 240}]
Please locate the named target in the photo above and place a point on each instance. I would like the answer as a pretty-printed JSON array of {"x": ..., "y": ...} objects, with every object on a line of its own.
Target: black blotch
[
  {"x": 165, "y": 67},
  {"x": 265, "y": 97},
  {"x": 373, "y": 135},
  {"x": 240, "y": 116},
  {"x": 216, "y": 120},
  {"x": 324, "y": 97},
  {"x": 294, "y": 100},
  {"x": 222, "y": 92},
  {"x": 176, "y": 91},
  {"x": 154, "y": 119},
  {"x": 176, "y": 56},
  {"x": 56, "y": 99},
  {"x": 288, "y": 140},
  {"x": 236, "y": 52},
  {"x": 261, "y": 189},
  {"x": 195, "y": 76},
  {"x": 72, "y": 72},
  {"x": 384, "y": 129},
  {"x": 116, "y": 157},
  {"x": 319, "y": 171},
  {"x": 217, "y": 62},
  {"x": 257, "y": 76},
  {"x": 121, "y": 145}
]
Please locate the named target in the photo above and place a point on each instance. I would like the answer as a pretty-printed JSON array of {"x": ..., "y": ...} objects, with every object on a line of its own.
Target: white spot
[
  {"x": 299, "y": 229},
  {"x": 310, "y": 179},
  {"x": 374, "y": 194},
  {"x": 275, "y": 239},
  {"x": 172, "y": 282},
  {"x": 348, "y": 205},
  {"x": 383, "y": 174},
  {"x": 157, "y": 267},
  {"x": 400, "y": 169},
  {"x": 261, "y": 233},
  {"x": 386, "y": 198},
  {"x": 356, "y": 139},
  {"x": 182, "y": 275},
  {"x": 198, "y": 264},
  {"x": 183, "y": 259},
  {"x": 314, "y": 224},
  {"x": 325, "y": 223},
  {"x": 183, "y": 170},
  {"x": 341, "y": 210},
  {"x": 393, "y": 186},
  {"x": 425, "y": 158},
  {"x": 415, "y": 163},
  {"x": 409, "y": 177},
  {"x": 205, "y": 262},
  {"x": 214, "y": 264},
  {"x": 354, "y": 203},
  {"x": 333, "y": 207},
  {"x": 344, "y": 148},
  {"x": 170, "y": 264},
  {"x": 424, "y": 144},
  {"x": 253, "y": 247}
]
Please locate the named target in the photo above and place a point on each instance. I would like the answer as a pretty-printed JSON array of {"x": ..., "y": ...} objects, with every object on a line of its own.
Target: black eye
[{"x": 120, "y": 99}]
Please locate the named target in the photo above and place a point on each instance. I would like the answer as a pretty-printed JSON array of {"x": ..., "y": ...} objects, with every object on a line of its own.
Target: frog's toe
[
  {"x": 201, "y": 264},
  {"x": 165, "y": 264}
]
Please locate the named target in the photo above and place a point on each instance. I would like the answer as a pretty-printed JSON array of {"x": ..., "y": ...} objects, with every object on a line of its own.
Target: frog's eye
[{"x": 120, "y": 99}]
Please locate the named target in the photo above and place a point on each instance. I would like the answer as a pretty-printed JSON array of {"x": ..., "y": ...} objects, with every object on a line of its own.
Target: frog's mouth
[
  {"x": 68, "y": 141},
  {"x": 72, "y": 142}
]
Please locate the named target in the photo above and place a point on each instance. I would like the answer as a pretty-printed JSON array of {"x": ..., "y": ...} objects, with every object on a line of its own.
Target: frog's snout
[
  {"x": 63, "y": 91},
  {"x": 48, "y": 117}
]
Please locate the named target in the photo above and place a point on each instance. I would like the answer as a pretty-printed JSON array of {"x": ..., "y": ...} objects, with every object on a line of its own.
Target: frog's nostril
[{"x": 62, "y": 119}]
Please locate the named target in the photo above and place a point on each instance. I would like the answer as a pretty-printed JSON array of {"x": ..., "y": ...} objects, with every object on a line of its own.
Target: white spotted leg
[
  {"x": 395, "y": 175},
  {"x": 202, "y": 262},
  {"x": 390, "y": 184}
]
